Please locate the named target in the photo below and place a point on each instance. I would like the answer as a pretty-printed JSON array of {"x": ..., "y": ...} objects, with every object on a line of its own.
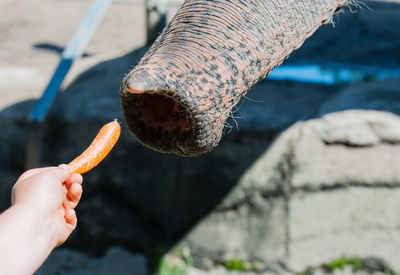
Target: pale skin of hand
[{"x": 41, "y": 217}]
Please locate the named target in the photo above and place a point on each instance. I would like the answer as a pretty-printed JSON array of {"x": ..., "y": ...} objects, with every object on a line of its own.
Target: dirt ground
[{"x": 33, "y": 34}]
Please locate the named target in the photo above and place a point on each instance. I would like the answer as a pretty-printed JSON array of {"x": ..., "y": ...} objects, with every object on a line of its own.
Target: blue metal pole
[{"x": 74, "y": 50}]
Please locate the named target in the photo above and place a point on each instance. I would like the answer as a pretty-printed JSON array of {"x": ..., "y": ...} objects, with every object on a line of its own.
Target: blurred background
[{"x": 306, "y": 179}]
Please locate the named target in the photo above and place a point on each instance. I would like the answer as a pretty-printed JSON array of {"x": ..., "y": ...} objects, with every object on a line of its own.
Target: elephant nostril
[{"x": 159, "y": 111}]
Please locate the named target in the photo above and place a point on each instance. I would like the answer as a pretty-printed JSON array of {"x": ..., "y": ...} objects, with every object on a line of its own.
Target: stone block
[
  {"x": 267, "y": 175},
  {"x": 352, "y": 147},
  {"x": 354, "y": 221},
  {"x": 249, "y": 232}
]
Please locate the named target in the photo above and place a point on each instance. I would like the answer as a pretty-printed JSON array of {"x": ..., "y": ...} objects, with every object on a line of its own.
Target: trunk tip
[
  {"x": 135, "y": 88},
  {"x": 140, "y": 82}
]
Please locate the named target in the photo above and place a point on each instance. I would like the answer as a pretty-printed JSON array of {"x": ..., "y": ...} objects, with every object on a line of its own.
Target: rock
[
  {"x": 354, "y": 221},
  {"x": 271, "y": 202},
  {"x": 269, "y": 106},
  {"x": 360, "y": 35},
  {"x": 63, "y": 260},
  {"x": 216, "y": 271},
  {"x": 116, "y": 261},
  {"x": 378, "y": 95},
  {"x": 12, "y": 157},
  {"x": 267, "y": 176},
  {"x": 120, "y": 262},
  {"x": 330, "y": 150},
  {"x": 326, "y": 181},
  {"x": 358, "y": 128},
  {"x": 92, "y": 99},
  {"x": 248, "y": 232},
  {"x": 254, "y": 210}
]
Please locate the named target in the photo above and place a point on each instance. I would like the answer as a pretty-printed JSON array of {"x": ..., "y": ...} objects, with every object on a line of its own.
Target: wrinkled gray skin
[{"x": 177, "y": 99}]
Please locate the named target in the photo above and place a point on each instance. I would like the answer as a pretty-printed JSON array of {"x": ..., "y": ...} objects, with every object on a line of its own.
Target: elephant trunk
[{"x": 178, "y": 97}]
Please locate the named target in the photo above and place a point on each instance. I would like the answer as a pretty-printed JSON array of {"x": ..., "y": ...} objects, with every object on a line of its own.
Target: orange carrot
[{"x": 98, "y": 149}]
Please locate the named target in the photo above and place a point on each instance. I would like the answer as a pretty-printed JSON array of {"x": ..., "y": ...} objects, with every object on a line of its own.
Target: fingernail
[{"x": 64, "y": 166}]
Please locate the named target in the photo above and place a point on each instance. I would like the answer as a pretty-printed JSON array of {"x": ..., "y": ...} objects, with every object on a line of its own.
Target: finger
[
  {"x": 74, "y": 195},
  {"x": 52, "y": 174},
  {"x": 62, "y": 172},
  {"x": 64, "y": 189},
  {"x": 73, "y": 178},
  {"x": 70, "y": 217},
  {"x": 52, "y": 179},
  {"x": 32, "y": 172},
  {"x": 68, "y": 204},
  {"x": 62, "y": 211},
  {"x": 55, "y": 175}
]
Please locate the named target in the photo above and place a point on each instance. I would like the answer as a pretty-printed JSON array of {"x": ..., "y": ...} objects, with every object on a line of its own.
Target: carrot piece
[{"x": 98, "y": 149}]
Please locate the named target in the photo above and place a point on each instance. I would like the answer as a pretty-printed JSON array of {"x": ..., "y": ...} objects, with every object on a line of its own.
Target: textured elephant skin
[{"x": 177, "y": 99}]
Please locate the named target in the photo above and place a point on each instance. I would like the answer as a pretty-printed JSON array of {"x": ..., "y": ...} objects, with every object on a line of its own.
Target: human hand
[{"x": 52, "y": 194}]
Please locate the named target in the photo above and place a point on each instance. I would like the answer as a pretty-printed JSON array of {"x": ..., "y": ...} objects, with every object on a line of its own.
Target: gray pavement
[{"x": 32, "y": 34}]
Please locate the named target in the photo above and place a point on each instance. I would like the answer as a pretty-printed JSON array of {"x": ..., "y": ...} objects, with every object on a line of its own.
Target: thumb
[
  {"x": 52, "y": 180},
  {"x": 62, "y": 172},
  {"x": 59, "y": 174}
]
